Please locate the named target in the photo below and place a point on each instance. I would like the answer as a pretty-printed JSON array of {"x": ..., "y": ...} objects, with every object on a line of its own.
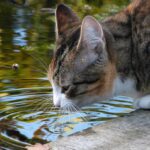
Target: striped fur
[{"x": 92, "y": 59}]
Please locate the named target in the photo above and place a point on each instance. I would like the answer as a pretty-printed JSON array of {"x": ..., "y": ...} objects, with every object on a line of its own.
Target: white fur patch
[
  {"x": 59, "y": 99},
  {"x": 126, "y": 88},
  {"x": 143, "y": 102}
]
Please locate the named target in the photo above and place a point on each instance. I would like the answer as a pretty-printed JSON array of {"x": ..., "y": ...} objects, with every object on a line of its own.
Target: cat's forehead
[
  {"x": 66, "y": 43},
  {"x": 65, "y": 50}
]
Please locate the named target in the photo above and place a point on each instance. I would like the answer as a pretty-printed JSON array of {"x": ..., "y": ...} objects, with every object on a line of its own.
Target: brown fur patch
[{"x": 104, "y": 86}]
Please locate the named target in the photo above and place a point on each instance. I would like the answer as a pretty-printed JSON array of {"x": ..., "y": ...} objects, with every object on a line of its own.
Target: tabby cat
[{"x": 95, "y": 61}]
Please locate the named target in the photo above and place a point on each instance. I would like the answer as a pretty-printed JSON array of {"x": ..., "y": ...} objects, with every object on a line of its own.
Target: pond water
[{"x": 27, "y": 37}]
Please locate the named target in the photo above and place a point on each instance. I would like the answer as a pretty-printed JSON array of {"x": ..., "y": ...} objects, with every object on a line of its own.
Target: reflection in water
[
  {"x": 35, "y": 119},
  {"x": 27, "y": 115},
  {"x": 19, "y": 30}
]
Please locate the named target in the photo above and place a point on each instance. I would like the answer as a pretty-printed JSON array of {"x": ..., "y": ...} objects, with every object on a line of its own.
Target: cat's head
[{"x": 82, "y": 70}]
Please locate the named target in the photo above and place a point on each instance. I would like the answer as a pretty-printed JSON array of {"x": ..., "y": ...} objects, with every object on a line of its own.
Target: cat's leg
[{"x": 143, "y": 102}]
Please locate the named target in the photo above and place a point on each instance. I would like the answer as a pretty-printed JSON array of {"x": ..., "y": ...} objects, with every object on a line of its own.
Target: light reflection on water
[
  {"x": 36, "y": 121},
  {"x": 27, "y": 115}
]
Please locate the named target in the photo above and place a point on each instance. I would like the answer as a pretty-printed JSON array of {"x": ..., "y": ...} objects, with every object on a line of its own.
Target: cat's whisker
[
  {"x": 68, "y": 107},
  {"x": 38, "y": 53},
  {"x": 41, "y": 104},
  {"x": 71, "y": 109},
  {"x": 62, "y": 111},
  {"x": 51, "y": 107},
  {"x": 40, "y": 71},
  {"x": 44, "y": 62},
  {"x": 54, "y": 109},
  {"x": 77, "y": 109},
  {"x": 66, "y": 110},
  {"x": 47, "y": 103},
  {"x": 23, "y": 93},
  {"x": 36, "y": 101},
  {"x": 47, "y": 98},
  {"x": 27, "y": 93},
  {"x": 74, "y": 109},
  {"x": 69, "y": 116},
  {"x": 31, "y": 104},
  {"x": 39, "y": 59},
  {"x": 46, "y": 109},
  {"x": 45, "y": 67}
]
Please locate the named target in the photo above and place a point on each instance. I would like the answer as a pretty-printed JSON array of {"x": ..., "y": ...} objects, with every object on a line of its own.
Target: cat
[{"x": 95, "y": 61}]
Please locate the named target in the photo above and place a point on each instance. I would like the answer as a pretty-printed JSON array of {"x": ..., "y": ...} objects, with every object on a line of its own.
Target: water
[{"x": 27, "y": 38}]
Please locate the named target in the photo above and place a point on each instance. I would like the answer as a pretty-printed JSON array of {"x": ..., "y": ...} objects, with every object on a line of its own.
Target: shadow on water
[{"x": 27, "y": 115}]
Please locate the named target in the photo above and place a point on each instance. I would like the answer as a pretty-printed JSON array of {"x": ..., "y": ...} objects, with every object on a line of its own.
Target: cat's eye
[
  {"x": 64, "y": 89},
  {"x": 86, "y": 81}
]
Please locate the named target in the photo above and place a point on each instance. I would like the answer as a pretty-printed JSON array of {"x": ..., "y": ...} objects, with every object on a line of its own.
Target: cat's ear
[
  {"x": 65, "y": 18},
  {"x": 91, "y": 33}
]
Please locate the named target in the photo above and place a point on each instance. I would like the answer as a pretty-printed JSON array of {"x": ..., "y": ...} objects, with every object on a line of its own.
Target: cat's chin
[
  {"x": 81, "y": 101},
  {"x": 87, "y": 100}
]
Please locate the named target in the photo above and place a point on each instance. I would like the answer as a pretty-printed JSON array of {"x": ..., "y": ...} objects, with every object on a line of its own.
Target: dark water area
[{"x": 27, "y": 37}]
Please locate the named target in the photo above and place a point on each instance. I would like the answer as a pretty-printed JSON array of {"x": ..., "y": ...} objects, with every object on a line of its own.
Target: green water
[{"x": 27, "y": 38}]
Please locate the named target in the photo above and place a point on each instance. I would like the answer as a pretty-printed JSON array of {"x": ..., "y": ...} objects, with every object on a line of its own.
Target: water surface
[{"x": 27, "y": 38}]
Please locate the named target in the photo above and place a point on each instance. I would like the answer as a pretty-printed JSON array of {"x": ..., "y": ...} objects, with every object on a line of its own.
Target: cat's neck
[{"x": 125, "y": 83}]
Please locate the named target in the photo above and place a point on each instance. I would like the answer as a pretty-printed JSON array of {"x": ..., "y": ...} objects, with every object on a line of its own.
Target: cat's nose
[{"x": 57, "y": 104}]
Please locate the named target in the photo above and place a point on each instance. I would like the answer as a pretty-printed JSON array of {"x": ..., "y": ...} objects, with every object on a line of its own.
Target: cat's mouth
[{"x": 62, "y": 101}]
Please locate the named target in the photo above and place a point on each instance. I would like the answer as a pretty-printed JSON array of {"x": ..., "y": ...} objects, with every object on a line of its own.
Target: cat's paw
[{"x": 142, "y": 103}]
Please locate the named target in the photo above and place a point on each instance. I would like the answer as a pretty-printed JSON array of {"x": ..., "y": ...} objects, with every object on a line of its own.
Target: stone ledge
[{"x": 131, "y": 132}]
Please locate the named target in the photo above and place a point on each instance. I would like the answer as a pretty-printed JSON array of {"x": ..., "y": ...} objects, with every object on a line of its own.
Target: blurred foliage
[{"x": 27, "y": 29}]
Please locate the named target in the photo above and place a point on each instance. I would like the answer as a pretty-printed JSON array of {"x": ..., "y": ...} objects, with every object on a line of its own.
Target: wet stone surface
[{"x": 131, "y": 132}]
